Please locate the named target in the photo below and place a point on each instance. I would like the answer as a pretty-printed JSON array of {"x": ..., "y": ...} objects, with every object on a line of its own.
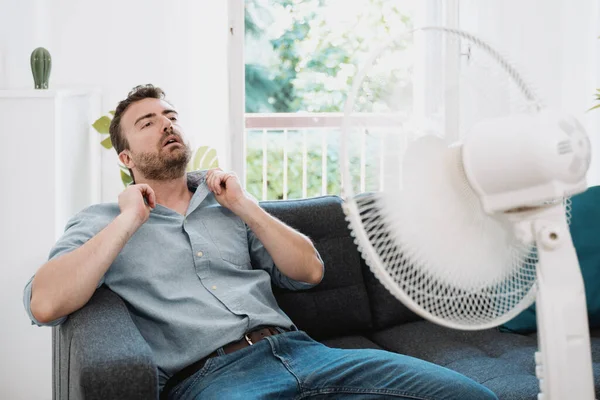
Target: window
[{"x": 300, "y": 60}]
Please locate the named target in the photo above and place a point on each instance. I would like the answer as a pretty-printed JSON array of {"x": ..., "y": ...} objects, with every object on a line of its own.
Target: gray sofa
[{"x": 99, "y": 353}]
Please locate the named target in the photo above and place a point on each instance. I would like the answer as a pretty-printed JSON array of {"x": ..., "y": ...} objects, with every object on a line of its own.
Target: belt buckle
[{"x": 248, "y": 339}]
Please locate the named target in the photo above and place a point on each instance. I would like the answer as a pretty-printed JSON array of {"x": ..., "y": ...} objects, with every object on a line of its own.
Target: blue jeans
[{"x": 293, "y": 366}]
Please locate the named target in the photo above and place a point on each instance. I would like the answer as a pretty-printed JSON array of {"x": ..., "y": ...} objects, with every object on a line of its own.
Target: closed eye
[
  {"x": 173, "y": 119},
  {"x": 147, "y": 124}
]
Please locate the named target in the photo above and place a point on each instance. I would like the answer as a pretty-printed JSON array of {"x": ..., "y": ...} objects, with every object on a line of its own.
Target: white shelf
[
  {"x": 47, "y": 93},
  {"x": 49, "y": 170}
]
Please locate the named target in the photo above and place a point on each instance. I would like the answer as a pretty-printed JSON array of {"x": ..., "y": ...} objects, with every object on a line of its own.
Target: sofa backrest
[
  {"x": 339, "y": 304},
  {"x": 386, "y": 310},
  {"x": 349, "y": 299}
]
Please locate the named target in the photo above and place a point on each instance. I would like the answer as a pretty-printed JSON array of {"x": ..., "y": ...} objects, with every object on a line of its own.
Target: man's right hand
[
  {"x": 66, "y": 283},
  {"x": 131, "y": 202}
]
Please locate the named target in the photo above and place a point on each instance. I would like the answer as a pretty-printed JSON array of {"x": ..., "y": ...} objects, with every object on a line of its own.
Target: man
[{"x": 193, "y": 257}]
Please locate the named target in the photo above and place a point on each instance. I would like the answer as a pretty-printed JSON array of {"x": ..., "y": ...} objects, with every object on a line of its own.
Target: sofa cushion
[
  {"x": 339, "y": 305},
  {"x": 503, "y": 362}
]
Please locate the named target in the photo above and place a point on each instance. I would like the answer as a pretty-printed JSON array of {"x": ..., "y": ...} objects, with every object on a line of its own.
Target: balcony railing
[{"x": 311, "y": 141}]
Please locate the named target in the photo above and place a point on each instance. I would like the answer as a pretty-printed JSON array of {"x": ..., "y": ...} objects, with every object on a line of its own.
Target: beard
[{"x": 167, "y": 164}]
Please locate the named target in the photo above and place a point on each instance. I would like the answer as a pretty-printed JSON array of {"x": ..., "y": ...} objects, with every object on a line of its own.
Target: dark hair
[{"x": 138, "y": 93}]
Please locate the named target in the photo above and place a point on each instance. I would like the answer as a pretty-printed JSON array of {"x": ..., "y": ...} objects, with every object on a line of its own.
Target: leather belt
[{"x": 249, "y": 339}]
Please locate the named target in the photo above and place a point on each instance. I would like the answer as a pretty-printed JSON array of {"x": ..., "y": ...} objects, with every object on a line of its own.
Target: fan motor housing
[{"x": 526, "y": 160}]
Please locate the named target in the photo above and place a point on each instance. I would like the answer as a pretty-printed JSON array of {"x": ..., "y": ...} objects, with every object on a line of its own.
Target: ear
[{"x": 126, "y": 160}]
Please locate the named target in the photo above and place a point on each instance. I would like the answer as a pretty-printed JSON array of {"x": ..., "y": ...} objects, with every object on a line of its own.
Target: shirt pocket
[{"x": 228, "y": 233}]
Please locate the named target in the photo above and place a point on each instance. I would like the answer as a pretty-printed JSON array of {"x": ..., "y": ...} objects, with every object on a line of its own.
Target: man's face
[{"x": 157, "y": 149}]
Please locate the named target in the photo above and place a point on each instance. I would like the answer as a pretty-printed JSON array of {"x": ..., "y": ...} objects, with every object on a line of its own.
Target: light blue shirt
[{"x": 191, "y": 283}]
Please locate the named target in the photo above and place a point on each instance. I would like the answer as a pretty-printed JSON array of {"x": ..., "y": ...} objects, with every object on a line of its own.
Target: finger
[
  {"x": 207, "y": 180},
  {"x": 220, "y": 181},
  {"x": 148, "y": 194},
  {"x": 211, "y": 182},
  {"x": 231, "y": 175},
  {"x": 215, "y": 183},
  {"x": 223, "y": 182},
  {"x": 151, "y": 197},
  {"x": 141, "y": 188},
  {"x": 213, "y": 179},
  {"x": 226, "y": 180}
]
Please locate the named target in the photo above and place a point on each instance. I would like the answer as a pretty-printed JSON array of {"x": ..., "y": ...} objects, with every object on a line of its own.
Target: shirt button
[
  {"x": 214, "y": 288},
  {"x": 200, "y": 254}
]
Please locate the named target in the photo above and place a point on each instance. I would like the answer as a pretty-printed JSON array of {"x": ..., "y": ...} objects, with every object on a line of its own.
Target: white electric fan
[{"x": 465, "y": 218}]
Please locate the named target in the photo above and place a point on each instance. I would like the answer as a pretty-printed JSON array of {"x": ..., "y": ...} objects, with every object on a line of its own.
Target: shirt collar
[{"x": 196, "y": 184}]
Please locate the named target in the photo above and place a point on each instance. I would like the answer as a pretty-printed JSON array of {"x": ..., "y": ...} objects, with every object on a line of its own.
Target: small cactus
[{"x": 41, "y": 64}]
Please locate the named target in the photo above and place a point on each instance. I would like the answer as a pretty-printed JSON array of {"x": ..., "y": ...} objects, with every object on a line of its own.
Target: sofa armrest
[{"x": 100, "y": 354}]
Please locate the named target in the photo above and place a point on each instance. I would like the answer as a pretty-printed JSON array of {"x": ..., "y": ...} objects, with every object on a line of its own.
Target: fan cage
[
  {"x": 448, "y": 305},
  {"x": 397, "y": 267}
]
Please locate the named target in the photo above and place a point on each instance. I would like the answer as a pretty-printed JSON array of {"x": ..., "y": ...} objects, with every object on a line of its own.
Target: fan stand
[{"x": 564, "y": 369}]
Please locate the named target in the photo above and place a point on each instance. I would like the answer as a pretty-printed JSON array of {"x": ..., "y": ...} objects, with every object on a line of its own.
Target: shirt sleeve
[
  {"x": 262, "y": 259},
  {"x": 79, "y": 230}
]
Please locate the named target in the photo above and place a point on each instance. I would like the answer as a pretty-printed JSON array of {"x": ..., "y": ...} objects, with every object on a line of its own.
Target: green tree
[
  {"x": 260, "y": 86},
  {"x": 307, "y": 63}
]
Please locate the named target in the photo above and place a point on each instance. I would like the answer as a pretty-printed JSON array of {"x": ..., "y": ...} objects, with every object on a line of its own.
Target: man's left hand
[{"x": 227, "y": 189}]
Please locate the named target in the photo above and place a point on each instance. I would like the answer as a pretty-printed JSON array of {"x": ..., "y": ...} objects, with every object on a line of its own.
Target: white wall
[
  {"x": 112, "y": 45},
  {"x": 554, "y": 42},
  {"x": 115, "y": 45}
]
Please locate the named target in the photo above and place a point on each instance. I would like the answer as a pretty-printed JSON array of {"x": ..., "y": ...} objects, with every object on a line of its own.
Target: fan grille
[
  {"x": 439, "y": 278},
  {"x": 465, "y": 308}
]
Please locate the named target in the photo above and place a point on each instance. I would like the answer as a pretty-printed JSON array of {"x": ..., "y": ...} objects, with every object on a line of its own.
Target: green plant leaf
[
  {"x": 593, "y": 108},
  {"x": 205, "y": 158},
  {"x": 125, "y": 178},
  {"x": 106, "y": 143},
  {"x": 111, "y": 112},
  {"x": 102, "y": 124}
]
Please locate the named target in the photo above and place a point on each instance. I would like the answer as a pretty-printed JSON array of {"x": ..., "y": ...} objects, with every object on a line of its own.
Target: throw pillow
[{"x": 585, "y": 231}]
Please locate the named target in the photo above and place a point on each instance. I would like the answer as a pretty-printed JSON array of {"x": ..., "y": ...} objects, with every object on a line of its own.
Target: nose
[{"x": 167, "y": 124}]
